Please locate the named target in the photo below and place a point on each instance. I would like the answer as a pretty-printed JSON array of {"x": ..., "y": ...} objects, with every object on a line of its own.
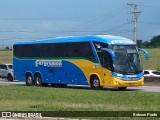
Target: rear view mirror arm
[
  {"x": 111, "y": 52},
  {"x": 145, "y": 52}
]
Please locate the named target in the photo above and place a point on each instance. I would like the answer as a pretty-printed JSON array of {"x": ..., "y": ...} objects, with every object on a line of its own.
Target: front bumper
[{"x": 127, "y": 83}]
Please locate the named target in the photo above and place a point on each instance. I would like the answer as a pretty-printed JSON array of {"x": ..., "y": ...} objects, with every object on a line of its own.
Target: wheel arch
[
  {"x": 9, "y": 74},
  {"x": 28, "y": 73},
  {"x": 93, "y": 76},
  {"x": 37, "y": 81},
  {"x": 38, "y": 73},
  {"x": 29, "y": 82}
]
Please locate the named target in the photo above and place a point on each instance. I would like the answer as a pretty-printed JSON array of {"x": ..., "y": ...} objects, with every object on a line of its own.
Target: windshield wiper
[{"x": 133, "y": 64}]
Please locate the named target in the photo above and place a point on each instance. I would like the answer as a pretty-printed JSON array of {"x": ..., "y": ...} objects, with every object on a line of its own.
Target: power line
[
  {"x": 37, "y": 19},
  {"x": 118, "y": 32},
  {"x": 149, "y": 23},
  {"x": 93, "y": 22},
  {"x": 147, "y": 6},
  {"x": 52, "y": 32},
  {"x": 55, "y": 18},
  {"x": 82, "y": 28},
  {"x": 117, "y": 27}
]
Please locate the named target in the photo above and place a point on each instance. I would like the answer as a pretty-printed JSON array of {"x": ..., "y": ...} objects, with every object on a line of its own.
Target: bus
[{"x": 96, "y": 60}]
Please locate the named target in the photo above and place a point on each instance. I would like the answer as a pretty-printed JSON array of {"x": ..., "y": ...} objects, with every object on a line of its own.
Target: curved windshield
[{"x": 127, "y": 59}]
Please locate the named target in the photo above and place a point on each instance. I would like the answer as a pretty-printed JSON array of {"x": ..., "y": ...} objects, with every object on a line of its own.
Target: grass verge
[{"x": 24, "y": 98}]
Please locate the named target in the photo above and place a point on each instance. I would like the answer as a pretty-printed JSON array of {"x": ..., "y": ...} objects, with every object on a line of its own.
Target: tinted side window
[
  {"x": 10, "y": 66},
  {"x": 146, "y": 72},
  {"x": 156, "y": 72},
  {"x": 3, "y": 67},
  {"x": 77, "y": 49}
]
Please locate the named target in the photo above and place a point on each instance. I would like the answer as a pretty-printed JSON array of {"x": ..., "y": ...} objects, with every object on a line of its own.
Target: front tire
[
  {"x": 122, "y": 88},
  {"x": 95, "y": 83}
]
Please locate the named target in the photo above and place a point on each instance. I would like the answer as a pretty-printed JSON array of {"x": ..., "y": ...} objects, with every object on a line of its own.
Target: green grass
[
  {"x": 38, "y": 99},
  {"x": 6, "y": 56},
  {"x": 154, "y": 59},
  {"x": 24, "y": 98}
]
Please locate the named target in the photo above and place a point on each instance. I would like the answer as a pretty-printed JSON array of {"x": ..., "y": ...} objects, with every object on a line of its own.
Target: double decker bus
[{"x": 98, "y": 61}]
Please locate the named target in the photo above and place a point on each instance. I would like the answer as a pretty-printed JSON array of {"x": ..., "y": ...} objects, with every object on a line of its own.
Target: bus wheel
[
  {"x": 29, "y": 80},
  {"x": 95, "y": 84},
  {"x": 38, "y": 80},
  {"x": 122, "y": 88}
]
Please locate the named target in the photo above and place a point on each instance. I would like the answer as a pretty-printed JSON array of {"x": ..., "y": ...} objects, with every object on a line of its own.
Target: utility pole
[{"x": 135, "y": 15}]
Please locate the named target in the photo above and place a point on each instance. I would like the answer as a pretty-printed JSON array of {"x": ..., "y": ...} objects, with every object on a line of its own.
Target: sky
[{"x": 22, "y": 20}]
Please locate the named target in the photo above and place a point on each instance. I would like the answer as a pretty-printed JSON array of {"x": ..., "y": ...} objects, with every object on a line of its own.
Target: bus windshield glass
[{"x": 127, "y": 60}]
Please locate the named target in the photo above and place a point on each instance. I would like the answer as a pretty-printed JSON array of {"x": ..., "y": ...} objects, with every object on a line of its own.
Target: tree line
[{"x": 153, "y": 43}]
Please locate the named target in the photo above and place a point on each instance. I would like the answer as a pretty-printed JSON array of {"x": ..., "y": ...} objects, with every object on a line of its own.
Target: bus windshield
[{"x": 127, "y": 60}]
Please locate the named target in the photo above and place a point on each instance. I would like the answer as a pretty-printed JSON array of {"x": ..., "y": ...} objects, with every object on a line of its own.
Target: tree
[
  {"x": 7, "y": 48},
  {"x": 139, "y": 43},
  {"x": 155, "y": 41},
  {"x": 145, "y": 44}
]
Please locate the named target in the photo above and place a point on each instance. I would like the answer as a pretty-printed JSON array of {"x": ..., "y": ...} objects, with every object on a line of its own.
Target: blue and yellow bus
[{"x": 97, "y": 61}]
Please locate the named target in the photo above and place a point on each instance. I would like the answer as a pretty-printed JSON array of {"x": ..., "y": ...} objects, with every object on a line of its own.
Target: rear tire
[
  {"x": 38, "y": 80},
  {"x": 29, "y": 80},
  {"x": 95, "y": 83}
]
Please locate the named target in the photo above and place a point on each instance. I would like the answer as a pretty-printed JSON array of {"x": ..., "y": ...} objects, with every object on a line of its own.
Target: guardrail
[{"x": 152, "y": 81}]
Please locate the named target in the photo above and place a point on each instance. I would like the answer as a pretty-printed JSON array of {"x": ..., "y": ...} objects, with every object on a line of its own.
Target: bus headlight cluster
[{"x": 119, "y": 77}]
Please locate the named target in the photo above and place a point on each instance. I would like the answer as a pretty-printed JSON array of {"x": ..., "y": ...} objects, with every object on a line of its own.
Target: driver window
[{"x": 105, "y": 59}]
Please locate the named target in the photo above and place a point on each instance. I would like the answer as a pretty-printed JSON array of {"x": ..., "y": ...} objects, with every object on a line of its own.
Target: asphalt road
[{"x": 145, "y": 88}]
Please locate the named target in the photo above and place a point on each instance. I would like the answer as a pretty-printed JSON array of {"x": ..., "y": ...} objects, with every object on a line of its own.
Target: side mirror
[
  {"x": 111, "y": 52},
  {"x": 145, "y": 52}
]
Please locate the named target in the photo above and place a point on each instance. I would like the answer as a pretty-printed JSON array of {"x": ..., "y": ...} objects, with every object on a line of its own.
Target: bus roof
[{"x": 109, "y": 39}]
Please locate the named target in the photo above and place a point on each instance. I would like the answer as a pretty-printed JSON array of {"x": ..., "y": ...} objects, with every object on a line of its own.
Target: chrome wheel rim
[
  {"x": 96, "y": 83},
  {"x": 29, "y": 80}
]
